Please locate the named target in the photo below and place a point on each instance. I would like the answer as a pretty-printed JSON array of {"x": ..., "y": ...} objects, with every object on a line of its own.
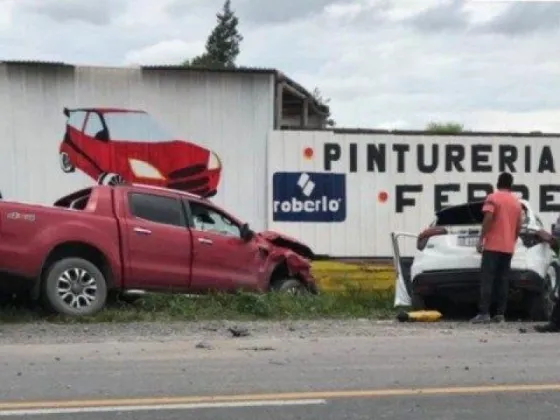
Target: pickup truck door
[
  {"x": 221, "y": 259},
  {"x": 402, "y": 266},
  {"x": 157, "y": 243}
]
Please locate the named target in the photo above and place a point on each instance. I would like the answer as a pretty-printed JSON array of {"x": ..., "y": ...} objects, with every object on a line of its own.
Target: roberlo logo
[{"x": 308, "y": 197}]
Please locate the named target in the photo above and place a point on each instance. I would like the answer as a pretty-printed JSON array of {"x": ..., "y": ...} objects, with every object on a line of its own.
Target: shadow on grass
[{"x": 351, "y": 303}]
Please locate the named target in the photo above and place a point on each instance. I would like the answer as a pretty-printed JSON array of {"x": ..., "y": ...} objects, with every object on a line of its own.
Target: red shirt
[{"x": 506, "y": 211}]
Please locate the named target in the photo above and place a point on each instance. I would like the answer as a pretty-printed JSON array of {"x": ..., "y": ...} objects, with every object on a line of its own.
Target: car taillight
[
  {"x": 425, "y": 236},
  {"x": 531, "y": 237}
]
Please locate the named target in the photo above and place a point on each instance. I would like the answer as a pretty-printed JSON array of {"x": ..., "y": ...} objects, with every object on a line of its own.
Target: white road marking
[{"x": 158, "y": 407}]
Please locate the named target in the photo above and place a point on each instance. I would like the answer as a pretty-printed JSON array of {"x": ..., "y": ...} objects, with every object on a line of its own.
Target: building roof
[
  {"x": 466, "y": 133},
  {"x": 36, "y": 63},
  {"x": 278, "y": 75}
]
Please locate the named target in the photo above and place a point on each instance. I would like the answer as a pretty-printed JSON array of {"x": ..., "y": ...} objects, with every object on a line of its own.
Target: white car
[{"x": 447, "y": 265}]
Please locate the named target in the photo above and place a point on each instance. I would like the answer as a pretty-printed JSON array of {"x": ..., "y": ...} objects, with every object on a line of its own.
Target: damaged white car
[{"x": 446, "y": 265}]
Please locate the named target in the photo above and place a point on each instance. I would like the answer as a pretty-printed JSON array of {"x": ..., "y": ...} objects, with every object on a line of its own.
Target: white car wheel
[
  {"x": 552, "y": 274},
  {"x": 65, "y": 163},
  {"x": 541, "y": 304}
]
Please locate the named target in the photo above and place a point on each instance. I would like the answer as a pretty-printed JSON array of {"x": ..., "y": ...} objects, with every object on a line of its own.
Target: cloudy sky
[{"x": 491, "y": 65}]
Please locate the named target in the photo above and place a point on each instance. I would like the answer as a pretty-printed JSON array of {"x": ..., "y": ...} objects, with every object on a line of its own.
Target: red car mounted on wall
[{"x": 121, "y": 145}]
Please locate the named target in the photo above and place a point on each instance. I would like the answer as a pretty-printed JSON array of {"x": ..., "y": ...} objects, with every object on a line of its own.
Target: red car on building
[{"x": 122, "y": 145}]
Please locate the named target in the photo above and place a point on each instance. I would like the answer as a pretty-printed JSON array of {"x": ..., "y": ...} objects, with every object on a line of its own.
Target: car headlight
[
  {"x": 214, "y": 161},
  {"x": 143, "y": 169}
]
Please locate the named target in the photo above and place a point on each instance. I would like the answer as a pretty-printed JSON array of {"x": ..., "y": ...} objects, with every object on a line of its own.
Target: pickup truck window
[
  {"x": 156, "y": 208},
  {"x": 208, "y": 219}
]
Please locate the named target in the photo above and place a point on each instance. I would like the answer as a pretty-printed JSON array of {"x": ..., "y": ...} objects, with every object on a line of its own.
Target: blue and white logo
[{"x": 308, "y": 197}]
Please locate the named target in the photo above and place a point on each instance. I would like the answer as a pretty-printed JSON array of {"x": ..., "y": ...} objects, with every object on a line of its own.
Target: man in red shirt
[{"x": 500, "y": 230}]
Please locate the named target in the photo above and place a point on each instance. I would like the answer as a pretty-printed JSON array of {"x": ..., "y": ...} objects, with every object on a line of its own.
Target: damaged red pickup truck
[{"x": 129, "y": 239}]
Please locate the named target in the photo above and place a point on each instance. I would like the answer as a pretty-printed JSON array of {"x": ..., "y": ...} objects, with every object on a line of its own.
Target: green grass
[{"x": 352, "y": 303}]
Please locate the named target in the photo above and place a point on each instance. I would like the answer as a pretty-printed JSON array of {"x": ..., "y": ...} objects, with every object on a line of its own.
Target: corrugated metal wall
[
  {"x": 228, "y": 113},
  {"x": 370, "y": 196}
]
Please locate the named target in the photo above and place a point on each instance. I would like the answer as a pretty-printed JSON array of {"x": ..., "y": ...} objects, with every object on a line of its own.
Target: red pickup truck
[{"x": 134, "y": 238}]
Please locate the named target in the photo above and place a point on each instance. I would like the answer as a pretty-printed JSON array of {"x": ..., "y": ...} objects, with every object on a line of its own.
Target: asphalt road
[{"x": 396, "y": 372}]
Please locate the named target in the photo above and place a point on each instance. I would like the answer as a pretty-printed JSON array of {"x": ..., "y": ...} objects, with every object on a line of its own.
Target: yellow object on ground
[
  {"x": 335, "y": 276},
  {"x": 419, "y": 316}
]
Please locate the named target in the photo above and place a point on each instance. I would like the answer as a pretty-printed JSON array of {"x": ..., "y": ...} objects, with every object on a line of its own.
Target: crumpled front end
[
  {"x": 301, "y": 268},
  {"x": 297, "y": 255}
]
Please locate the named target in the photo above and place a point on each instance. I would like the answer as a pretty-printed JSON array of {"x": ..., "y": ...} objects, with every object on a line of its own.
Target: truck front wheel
[
  {"x": 289, "y": 286},
  {"x": 75, "y": 287}
]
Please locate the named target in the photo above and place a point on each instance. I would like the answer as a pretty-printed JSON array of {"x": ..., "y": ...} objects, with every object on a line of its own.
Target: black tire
[
  {"x": 289, "y": 285},
  {"x": 540, "y": 305},
  {"x": 6, "y": 299},
  {"x": 418, "y": 303},
  {"x": 110, "y": 179},
  {"x": 129, "y": 299},
  {"x": 68, "y": 271},
  {"x": 65, "y": 163},
  {"x": 116, "y": 297}
]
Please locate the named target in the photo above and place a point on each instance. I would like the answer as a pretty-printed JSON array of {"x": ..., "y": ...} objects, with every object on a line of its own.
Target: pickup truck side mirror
[{"x": 246, "y": 232}]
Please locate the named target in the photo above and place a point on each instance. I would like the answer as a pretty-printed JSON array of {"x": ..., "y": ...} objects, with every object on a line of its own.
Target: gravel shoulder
[
  {"x": 48, "y": 333},
  {"x": 68, "y": 362}
]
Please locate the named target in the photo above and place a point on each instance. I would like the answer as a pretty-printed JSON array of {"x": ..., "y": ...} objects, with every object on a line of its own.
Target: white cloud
[
  {"x": 6, "y": 10},
  {"x": 383, "y": 63},
  {"x": 99, "y": 12},
  {"x": 165, "y": 52}
]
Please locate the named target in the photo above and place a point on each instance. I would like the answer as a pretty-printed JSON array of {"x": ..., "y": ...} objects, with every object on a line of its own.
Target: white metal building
[
  {"x": 229, "y": 112},
  {"x": 343, "y": 191}
]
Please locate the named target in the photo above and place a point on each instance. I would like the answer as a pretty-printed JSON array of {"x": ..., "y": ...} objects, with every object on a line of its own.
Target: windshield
[
  {"x": 465, "y": 214},
  {"x": 135, "y": 126}
]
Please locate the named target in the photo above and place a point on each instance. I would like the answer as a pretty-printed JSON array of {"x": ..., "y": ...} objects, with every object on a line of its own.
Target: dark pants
[{"x": 494, "y": 281}]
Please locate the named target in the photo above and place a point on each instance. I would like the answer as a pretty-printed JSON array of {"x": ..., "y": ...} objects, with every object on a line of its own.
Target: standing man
[{"x": 500, "y": 230}]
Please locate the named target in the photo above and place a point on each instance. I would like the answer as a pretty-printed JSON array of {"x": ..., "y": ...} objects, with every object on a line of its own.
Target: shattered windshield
[{"x": 135, "y": 127}]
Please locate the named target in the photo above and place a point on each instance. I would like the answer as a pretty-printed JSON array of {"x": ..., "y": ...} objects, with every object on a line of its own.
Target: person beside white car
[
  {"x": 444, "y": 272},
  {"x": 501, "y": 226}
]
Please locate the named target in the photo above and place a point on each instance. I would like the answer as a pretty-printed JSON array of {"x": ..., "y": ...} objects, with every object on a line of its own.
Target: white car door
[{"x": 402, "y": 270}]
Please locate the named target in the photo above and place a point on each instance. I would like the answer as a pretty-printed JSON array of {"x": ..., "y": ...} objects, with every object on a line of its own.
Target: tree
[
  {"x": 203, "y": 60},
  {"x": 222, "y": 45},
  {"x": 324, "y": 105},
  {"x": 444, "y": 128}
]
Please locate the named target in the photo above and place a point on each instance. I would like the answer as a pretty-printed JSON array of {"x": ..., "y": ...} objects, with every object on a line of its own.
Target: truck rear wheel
[{"x": 75, "y": 287}]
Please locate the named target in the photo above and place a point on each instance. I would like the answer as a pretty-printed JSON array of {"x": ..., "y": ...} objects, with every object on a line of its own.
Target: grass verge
[{"x": 352, "y": 303}]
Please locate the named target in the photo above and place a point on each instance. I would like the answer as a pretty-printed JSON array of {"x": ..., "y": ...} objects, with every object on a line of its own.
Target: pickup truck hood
[{"x": 284, "y": 241}]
